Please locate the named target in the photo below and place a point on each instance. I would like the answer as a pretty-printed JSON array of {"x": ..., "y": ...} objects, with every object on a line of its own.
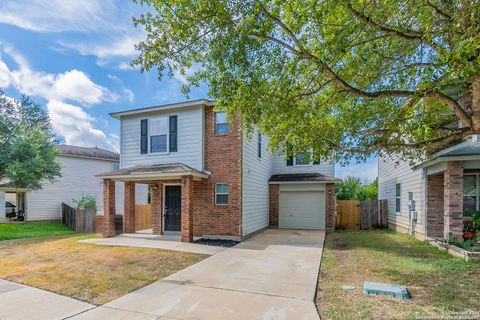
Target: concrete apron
[{"x": 270, "y": 276}]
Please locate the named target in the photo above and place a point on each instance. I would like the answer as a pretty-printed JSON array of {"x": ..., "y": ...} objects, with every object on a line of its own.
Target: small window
[
  {"x": 221, "y": 194},
  {"x": 398, "y": 193},
  {"x": 115, "y": 166},
  {"x": 259, "y": 144},
  {"x": 302, "y": 159},
  {"x": 221, "y": 123}
]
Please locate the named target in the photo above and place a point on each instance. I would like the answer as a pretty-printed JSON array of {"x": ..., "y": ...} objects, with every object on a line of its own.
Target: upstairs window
[
  {"x": 158, "y": 134},
  {"x": 221, "y": 123},
  {"x": 398, "y": 193},
  {"x": 259, "y": 152},
  {"x": 221, "y": 194},
  {"x": 302, "y": 159}
]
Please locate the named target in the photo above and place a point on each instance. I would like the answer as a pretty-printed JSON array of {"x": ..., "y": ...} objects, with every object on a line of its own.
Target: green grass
[
  {"x": 439, "y": 283},
  {"x": 32, "y": 229}
]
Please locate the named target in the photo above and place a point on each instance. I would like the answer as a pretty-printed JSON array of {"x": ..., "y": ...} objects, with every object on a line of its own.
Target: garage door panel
[{"x": 302, "y": 209}]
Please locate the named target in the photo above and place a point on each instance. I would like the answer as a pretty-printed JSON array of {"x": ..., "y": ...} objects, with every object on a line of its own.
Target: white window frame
[
  {"x": 215, "y": 123},
  {"x": 303, "y": 165},
  {"x": 150, "y": 135},
  {"x": 399, "y": 198},
  {"x": 477, "y": 189},
  {"x": 221, "y": 193}
]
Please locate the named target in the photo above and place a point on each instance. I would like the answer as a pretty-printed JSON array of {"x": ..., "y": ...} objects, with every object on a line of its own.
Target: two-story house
[{"x": 208, "y": 179}]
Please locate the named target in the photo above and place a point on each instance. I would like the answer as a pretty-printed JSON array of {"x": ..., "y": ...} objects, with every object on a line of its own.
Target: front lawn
[
  {"x": 9, "y": 231},
  {"x": 439, "y": 283},
  {"x": 95, "y": 274}
]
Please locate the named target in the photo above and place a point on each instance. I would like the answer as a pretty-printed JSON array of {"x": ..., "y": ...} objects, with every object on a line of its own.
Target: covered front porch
[
  {"x": 171, "y": 189},
  {"x": 452, "y": 190}
]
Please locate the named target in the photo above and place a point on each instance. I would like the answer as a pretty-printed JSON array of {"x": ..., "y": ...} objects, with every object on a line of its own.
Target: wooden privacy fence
[
  {"x": 80, "y": 220},
  {"x": 143, "y": 219},
  {"x": 361, "y": 215}
]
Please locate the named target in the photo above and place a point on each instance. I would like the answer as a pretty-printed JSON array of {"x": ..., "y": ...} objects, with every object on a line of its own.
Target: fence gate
[{"x": 348, "y": 214}]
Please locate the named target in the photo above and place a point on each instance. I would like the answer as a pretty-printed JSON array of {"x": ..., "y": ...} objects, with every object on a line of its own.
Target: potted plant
[{"x": 468, "y": 230}]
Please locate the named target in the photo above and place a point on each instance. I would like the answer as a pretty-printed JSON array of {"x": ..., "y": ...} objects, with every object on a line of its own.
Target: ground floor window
[
  {"x": 398, "y": 193},
  {"x": 221, "y": 194},
  {"x": 471, "y": 192}
]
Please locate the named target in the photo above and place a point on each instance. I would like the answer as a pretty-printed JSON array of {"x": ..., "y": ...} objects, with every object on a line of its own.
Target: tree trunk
[{"x": 476, "y": 104}]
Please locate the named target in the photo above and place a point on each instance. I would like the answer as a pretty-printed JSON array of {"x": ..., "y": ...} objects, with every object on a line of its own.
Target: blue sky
[{"x": 73, "y": 57}]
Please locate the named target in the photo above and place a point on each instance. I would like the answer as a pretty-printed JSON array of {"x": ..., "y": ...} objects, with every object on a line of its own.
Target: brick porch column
[
  {"x": 330, "y": 199},
  {"x": 187, "y": 209},
  {"x": 273, "y": 191},
  {"x": 453, "y": 201},
  {"x": 109, "y": 208},
  {"x": 156, "y": 208},
  {"x": 129, "y": 208}
]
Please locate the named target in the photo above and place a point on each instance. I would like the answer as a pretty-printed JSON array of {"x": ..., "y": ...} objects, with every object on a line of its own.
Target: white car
[{"x": 9, "y": 208}]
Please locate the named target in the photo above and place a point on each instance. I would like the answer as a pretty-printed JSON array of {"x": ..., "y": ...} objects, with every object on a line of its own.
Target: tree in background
[
  {"x": 352, "y": 188},
  {"x": 347, "y": 78},
  {"x": 27, "y": 144}
]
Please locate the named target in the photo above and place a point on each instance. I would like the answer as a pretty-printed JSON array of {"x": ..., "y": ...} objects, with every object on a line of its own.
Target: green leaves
[
  {"x": 27, "y": 144},
  {"x": 346, "y": 78}
]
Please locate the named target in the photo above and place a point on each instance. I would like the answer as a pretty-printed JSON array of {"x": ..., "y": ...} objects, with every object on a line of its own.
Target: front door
[{"x": 173, "y": 208}]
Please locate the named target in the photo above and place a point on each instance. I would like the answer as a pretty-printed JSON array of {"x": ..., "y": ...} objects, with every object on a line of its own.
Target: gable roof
[
  {"x": 86, "y": 152},
  {"x": 183, "y": 104}
]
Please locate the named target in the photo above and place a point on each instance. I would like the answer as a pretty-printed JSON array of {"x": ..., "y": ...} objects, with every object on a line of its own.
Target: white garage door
[{"x": 302, "y": 209}]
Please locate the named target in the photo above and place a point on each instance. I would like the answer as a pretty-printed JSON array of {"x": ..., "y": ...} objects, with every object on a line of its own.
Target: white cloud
[
  {"x": 72, "y": 85},
  {"x": 76, "y": 126},
  {"x": 55, "y": 16},
  {"x": 366, "y": 171},
  {"x": 129, "y": 94}
]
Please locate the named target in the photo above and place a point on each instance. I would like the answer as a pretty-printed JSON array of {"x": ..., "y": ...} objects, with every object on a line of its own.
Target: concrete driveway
[{"x": 273, "y": 275}]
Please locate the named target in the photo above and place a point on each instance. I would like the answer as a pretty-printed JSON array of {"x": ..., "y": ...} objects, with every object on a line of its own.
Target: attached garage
[{"x": 302, "y": 201}]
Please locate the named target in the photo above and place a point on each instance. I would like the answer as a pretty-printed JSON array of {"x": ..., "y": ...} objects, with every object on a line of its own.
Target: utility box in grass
[{"x": 385, "y": 289}]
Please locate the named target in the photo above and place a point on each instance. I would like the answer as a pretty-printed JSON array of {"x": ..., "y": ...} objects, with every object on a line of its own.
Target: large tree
[
  {"x": 27, "y": 144},
  {"x": 347, "y": 78}
]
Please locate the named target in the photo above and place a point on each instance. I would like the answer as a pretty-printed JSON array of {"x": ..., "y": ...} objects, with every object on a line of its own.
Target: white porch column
[{"x": 2, "y": 206}]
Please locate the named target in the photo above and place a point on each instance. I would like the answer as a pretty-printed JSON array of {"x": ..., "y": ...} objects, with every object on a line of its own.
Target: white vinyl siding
[
  {"x": 392, "y": 170},
  {"x": 280, "y": 167},
  {"x": 190, "y": 139},
  {"x": 256, "y": 173}
]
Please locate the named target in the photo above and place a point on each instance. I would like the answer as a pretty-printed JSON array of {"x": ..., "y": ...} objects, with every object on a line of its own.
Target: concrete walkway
[
  {"x": 23, "y": 303},
  {"x": 270, "y": 276},
  {"x": 148, "y": 240}
]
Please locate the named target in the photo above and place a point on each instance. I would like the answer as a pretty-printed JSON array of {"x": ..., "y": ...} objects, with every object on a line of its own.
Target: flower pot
[{"x": 467, "y": 235}]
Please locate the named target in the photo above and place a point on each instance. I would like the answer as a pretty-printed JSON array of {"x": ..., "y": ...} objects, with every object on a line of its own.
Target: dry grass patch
[
  {"x": 439, "y": 283},
  {"x": 90, "y": 273}
]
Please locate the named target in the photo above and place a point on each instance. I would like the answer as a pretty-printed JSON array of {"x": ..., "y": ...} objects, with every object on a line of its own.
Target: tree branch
[{"x": 439, "y": 11}]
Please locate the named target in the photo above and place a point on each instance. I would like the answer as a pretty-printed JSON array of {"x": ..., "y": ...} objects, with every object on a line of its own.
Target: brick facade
[
  {"x": 129, "y": 208},
  {"x": 330, "y": 200},
  {"x": 187, "y": 209},
  {"x": 223, "y": 159},
  {"x": 453, "y": 200},
  {"x": 274, "y": 194},
  {"x": 156, "y": 207},
  {"x": 109, "y": 208},
  {"x": 435, "y": 205}
]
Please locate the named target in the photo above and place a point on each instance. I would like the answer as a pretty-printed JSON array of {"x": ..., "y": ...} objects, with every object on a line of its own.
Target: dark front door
[{"x": 173, "y": 208}]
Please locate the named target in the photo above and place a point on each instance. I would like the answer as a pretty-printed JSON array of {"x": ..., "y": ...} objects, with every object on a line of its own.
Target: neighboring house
[
  {"x": 208, "y": 179},
  {"x": 79, "y": 166},
  {"x": 430, "y": 199}
]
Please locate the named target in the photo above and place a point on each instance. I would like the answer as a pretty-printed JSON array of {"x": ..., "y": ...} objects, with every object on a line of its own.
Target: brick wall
[
  {"x": 223, "y": 159},
  {"x": 435, "y": 202},
  {"x": 330, "y": 199},
  {"x": 109, "y": 208},
  {"x": 273, "y": 205},
  {"x": 156, "y": 207},
  {"x": 453, "y": 197}
]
